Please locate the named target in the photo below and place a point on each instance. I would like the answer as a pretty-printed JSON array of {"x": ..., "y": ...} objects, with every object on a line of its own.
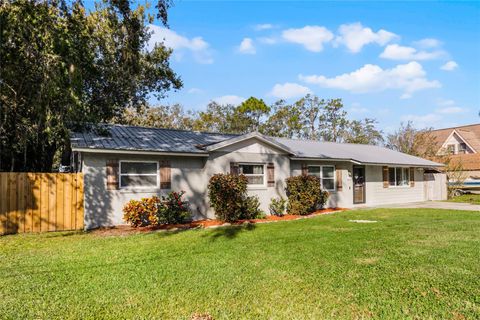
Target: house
[
  {"x": 460, "y": 145},
  {"x": 121, "y": 163}
]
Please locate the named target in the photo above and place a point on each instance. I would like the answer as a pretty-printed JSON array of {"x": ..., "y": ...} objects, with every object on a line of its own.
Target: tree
[
  {"x": 63, "y": 68},
  {"x": 310, "y": 107},
  {"x": 362, "y": 132},
  {"x": 247, "y": 116},
  {"x": 285, "y": 121},
  {"x": 172, "y": 117},
  {"x": 408, "y": 139},
  {"x": 332, "y": 121},
  {"x": 217, "y": 118}
]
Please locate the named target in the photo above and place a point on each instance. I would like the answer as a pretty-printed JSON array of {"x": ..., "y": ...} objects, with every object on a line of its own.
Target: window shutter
[
  {"x": 112, "y": 175},
  {"x": 385, "y": 177},
  {"x": 165, "y": 175},
  {"x": 271, "y": 175},
  {"x": 339, "y": 177},
  {"x": 304, "y": 169},
  {"x": 234, "y": 168},
  {"x": 412, "y": 177}
]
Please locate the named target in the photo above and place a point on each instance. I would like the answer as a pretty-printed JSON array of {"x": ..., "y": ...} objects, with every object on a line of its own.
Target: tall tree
[
  {"x": 63, "y": 67},
  {"x": 410, "y": 140},
  {"x": 362, "y": 132},
  {"x": 284, "y": 121},
  {"x": 332, "y": 121},
  {"x": 247, "y": 116},
  {"x": 310, "y": 107},
  {"x": 217, "y": 118},
  {"x": 163, "y": 116}
]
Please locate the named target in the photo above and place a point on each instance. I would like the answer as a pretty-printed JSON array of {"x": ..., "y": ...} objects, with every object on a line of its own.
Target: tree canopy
[{"x": 64, "y": 67}]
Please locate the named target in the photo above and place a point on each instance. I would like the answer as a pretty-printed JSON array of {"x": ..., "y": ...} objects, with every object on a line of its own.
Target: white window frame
[
  {"x": 253, "y": 186},
  {"x": 120, "y": 174},
  {"x": 407, "y": 170},
  {"x": 321, "y": 176}
]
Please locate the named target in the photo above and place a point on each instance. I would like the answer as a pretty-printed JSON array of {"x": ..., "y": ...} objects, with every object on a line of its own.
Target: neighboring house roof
[
  {"x": 120, "y": 138},
  {"x": 471, "y": 136},
  {"x": 469, "y": 133}
]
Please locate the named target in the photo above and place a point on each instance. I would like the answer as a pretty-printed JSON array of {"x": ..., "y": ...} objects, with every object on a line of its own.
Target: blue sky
[{"x": 395, "y": 62}]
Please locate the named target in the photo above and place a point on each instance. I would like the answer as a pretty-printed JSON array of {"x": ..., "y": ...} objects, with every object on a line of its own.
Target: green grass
[
  {"x": 417, "y": 264},
  {"x": 468, "y": 198}
]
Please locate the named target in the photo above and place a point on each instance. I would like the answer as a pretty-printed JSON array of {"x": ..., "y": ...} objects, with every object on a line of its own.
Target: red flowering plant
[{"x": 154, "y": 211}]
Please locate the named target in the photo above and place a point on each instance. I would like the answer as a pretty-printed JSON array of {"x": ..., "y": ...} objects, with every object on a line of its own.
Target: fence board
[{"x": 39, "y": 202}]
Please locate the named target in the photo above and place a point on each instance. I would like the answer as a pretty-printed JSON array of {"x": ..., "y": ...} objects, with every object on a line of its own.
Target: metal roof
[
  {"x": 146, "y": 139},
  {"x": 360, "y": 153},
  {"x": 133, "y": 138}
]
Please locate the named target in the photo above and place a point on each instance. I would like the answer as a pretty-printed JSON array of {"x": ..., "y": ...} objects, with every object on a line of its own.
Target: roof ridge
[
  {"x": 167, "y": 129},
  {"x": 458, "y": 127},
  {"x": 339, "y": 143}
]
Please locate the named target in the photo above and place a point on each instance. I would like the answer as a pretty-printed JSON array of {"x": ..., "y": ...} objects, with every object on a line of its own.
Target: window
[
  {"x": 255, "y": 173},
  {"x": 398, "y": 177},
  {"x": 462, "y": 148},
  {"x": 326, "y": 175},
  {"x": 136, "y": 174},
  {"x": 450, "y": 149}
]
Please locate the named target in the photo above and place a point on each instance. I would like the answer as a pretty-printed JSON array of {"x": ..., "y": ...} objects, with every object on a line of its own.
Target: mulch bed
[{"x": 206, "y": 223}]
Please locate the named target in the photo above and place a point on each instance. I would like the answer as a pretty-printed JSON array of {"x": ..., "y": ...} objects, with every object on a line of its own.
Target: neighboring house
[
  {"x": 460, "y": 145},
  {"x": 133, "y": 162}
]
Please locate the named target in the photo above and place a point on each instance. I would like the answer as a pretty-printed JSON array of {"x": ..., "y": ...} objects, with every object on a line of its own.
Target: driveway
[{"x": 436, "y": 205}]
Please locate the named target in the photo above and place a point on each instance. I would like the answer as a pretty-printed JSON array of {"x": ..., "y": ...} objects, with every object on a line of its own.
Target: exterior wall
[
  {"x": 376, "y": 194},
  {"x": 104, "y": 207}
]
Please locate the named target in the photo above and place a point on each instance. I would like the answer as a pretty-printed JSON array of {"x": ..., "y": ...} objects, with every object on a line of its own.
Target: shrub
[
  {"x": 154, "y": 211},
  {"x": 229, "y": 198},
  {"x": 251, "y": 209},
  {"x": 141, "y": 213},
  {"x": 173, "y": 209},
  {"x": 278, "y": 206},
  {"x": 305, "y": 194}
]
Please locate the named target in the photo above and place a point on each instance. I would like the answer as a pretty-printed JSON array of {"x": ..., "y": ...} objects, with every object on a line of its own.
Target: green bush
[
  {"x": 229, "y": 198},
  {"x": 278, "y": 206},
  {"x": 251, "y": 209},
  {"x": 305, "y": 195},
  {"x": 154, "y": 211}
]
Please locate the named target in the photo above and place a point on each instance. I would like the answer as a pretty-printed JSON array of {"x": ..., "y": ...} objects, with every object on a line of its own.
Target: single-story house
[{"x": 121, "y": 163}]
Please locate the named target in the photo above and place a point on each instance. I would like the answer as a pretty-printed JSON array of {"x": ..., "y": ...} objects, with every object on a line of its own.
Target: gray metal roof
[
  {"x": 132, "y": 138},
  {"x": 361, "y": 153}
]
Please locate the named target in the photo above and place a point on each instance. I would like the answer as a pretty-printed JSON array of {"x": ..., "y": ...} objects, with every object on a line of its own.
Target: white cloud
[
  {"x": 449, "y": 66},
  {"x": 428, "y": 43},
  {"x": 311, "y": 37},
  {"x": 195, "y": 91},
  {"x": 289, "y": 90},
  {"x": 422, "y": 121},
  {"x": 354, "y": 36},
  {"x": 449, "y": 107},
  {"x": 409, "y": 78},
  {"x": 199, "y": 47},
  {"x": 263, "y": 26},
  {"x": 267, "y": 40},
  {"x": 247, "y": 47},
  {"x": 397, "y": 52},
  {"x": 229, "y": 99}
]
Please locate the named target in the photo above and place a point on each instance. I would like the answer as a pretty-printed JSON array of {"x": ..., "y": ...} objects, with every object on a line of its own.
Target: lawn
[
  {"x": 420, "y": 263},
  {"x": 468, "y": 198}
]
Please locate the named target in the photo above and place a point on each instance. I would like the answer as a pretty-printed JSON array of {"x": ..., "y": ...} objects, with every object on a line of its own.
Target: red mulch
[{"x": 206, "y": 223}]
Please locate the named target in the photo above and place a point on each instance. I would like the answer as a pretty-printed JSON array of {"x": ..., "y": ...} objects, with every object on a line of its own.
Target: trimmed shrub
[
  {"x": 141, "y": 213},
  {"x": 173, "y": 209},
  {"x": 251, "y": 209},
  {"x": 305, "y": 195},
  {"x": 229, "y": 198},
  {"x": 278, "y": 206},
  {"x": 154, "y": 211}
]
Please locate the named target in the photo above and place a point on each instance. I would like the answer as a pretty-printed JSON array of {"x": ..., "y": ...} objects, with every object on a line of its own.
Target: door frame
[{"x": 364, "y": 184}]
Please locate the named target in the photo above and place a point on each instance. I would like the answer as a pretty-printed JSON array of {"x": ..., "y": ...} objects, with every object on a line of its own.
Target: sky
[{"x": 392, "y": 61}]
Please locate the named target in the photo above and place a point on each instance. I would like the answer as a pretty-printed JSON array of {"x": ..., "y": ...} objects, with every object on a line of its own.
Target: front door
[{"x": 358, "y": 184}]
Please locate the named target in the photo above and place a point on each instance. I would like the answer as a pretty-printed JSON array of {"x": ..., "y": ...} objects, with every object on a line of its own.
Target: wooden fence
[{"x": 40, "y": 202}]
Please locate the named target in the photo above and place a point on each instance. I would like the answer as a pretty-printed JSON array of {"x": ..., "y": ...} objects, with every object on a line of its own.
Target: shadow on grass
[{"x": 229, "y": 232}]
